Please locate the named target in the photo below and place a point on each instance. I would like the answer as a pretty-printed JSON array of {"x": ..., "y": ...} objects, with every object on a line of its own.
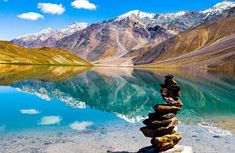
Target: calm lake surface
[{"x": 77, "y": 99}]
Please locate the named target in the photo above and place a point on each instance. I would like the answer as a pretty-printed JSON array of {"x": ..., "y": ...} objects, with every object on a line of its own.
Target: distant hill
[{"x": 11, "y": 53}]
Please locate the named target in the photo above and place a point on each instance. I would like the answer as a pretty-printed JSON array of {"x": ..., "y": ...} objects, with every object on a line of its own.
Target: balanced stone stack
[{"x": 161, "y": 125}]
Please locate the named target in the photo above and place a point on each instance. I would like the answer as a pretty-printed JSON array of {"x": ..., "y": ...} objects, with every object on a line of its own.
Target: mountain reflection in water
[{"x": 130, "y": 93}]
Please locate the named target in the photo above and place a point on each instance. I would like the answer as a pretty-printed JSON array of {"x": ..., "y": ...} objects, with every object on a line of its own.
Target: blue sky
[{"x": 14, "y": 14}]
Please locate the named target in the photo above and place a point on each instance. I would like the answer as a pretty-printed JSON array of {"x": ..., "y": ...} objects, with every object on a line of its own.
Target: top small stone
[
  {"x": 169, "y": 76},
  {"x": 170, "y": 91},
  {"x": 169, "y": 80}
]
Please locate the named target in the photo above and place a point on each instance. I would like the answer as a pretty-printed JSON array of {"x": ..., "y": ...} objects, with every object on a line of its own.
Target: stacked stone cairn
[{"x": 161, "y": 125}]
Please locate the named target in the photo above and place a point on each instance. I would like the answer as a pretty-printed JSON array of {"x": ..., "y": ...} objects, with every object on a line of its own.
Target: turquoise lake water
[{"x": 92, "y": 98}]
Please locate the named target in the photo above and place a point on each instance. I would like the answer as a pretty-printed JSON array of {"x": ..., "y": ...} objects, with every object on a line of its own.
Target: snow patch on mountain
[
  {"x": 56, "y": 34},
  {"x": 74, "y": 27},
  {"x": 186, "y": 18},
  {"x": 219, "y": 8},
  {"x": 137, "y": 13}
]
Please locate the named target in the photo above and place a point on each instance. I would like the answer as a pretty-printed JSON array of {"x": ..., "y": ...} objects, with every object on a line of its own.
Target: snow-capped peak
[
  {"x": 224, "y": 5},
  {"x": 40, "y": 35},
  {"x": 220, "y": 7},
  {"x": 74, "y": 27},
  {"x": 45, "y": 31},
  {"x": 181, "y": 13},
  {"x": 171, "y": 16},
  {"x": 137, "y": 13},
  {"x": 56, "y": 34},
  {"x": 216, "y": 9}
]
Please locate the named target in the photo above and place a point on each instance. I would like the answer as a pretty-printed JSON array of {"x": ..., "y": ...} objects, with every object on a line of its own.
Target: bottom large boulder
[{"x": 166, "y": 142}]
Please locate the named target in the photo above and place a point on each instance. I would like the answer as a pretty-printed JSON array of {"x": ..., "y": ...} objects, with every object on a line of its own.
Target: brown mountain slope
[
  {"x": 199, "y": 37},
  {"x": 219, "y": 55},
  {"x": 106, "y": 41},
  {"x": 13, "y": 54},
  {"x": 189, "y": 41}
]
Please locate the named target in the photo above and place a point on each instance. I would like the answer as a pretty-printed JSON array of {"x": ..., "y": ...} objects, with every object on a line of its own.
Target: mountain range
[
  {"x": 139, "y": 38},
  {"x": 209, "y": 45},
  {"x": 48, "y": 37}
]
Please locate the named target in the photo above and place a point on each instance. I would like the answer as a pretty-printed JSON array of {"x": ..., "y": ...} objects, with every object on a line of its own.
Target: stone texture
[
  {"x": 166, "y": 142},
  {"x": 164, "y": 108},
  {"x": 158, "y": 123},
  {"x": 156, "y": 132},
  {"x": 174, "y": 122},
  {"x": 173, "y": 102},
  {"x": 160, "y": 117}
]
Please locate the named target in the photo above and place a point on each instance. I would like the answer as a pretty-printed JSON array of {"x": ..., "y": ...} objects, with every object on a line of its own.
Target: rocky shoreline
[{"x": 118, "y": 138}]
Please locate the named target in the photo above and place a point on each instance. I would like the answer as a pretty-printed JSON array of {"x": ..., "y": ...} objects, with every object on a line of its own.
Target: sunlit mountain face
[{"x": 103, "y": 95}]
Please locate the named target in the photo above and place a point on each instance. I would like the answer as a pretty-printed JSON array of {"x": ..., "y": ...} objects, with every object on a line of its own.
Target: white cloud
[
  {"x": 51, "y": 8},
  {"x": 30, "y": 16},
  {"x": 79, "y": 126},
  {"x": 29, "y": 111},
  {"x": 50, "y": 120},
  {"x": 83, "y": 4}
]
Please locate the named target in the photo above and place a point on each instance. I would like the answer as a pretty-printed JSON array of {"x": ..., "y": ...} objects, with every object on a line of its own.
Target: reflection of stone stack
[{"x": 160, "y": 125}]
